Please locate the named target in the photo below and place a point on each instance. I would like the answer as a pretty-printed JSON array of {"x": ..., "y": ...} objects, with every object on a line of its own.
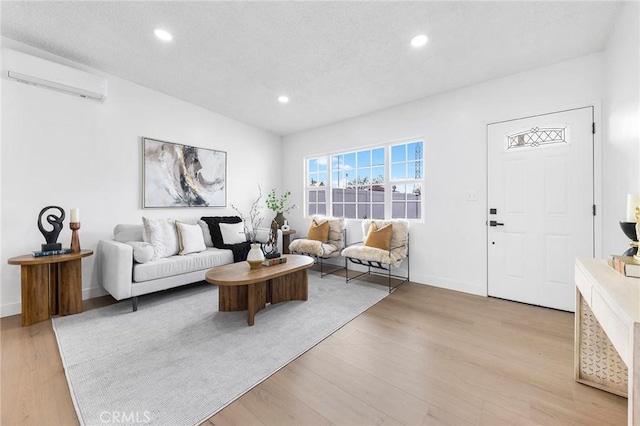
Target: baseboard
[
  {"x": 10, "y": 309},
  {"x": 15, "y": 308},
  {"x": 90, "y": 293},
  {"x": 462, "y": 286}
]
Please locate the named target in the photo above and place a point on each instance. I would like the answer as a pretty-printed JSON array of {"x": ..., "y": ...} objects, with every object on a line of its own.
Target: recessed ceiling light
[
  {"x": 162, "y": 34},
  {"x": 283, "y": 99},
  {"x": 419, "y": 40}
]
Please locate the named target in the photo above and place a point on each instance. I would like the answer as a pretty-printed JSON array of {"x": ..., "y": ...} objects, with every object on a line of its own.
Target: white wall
[
  {"x": 62, "y": 150},
  {"x": 621, "y": 151},
  {"x": 449, "y": 248}
]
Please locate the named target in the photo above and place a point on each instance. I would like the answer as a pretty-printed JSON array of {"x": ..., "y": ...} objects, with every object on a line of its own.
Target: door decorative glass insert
[{"x": 537, "y": 136}]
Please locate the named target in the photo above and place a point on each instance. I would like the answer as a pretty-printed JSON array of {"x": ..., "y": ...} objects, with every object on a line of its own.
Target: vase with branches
[
  {"x": 278, "y": 205},
  {"x": 255, "y": 219}
]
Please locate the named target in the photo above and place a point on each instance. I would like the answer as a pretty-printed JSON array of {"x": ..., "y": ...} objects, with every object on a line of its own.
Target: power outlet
[{"x": 472, "y": 196}]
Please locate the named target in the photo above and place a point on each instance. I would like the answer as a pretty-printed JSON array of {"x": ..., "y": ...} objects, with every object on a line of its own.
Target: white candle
[
  {"x": 633, "y": 201},
  {"x": 75, "y": 215}
]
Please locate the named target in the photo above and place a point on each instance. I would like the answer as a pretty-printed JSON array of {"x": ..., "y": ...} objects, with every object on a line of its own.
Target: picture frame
[{"x": 177, "y": 175}]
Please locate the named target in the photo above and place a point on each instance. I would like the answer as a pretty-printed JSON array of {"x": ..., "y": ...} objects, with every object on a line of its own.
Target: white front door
[{"x": 540, "y": 200}]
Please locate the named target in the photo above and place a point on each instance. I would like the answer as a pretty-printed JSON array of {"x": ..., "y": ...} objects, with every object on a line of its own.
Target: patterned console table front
[{"x": 607, "y": 338}]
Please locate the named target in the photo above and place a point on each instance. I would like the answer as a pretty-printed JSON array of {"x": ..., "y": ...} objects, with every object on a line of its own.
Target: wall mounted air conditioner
[{"x": 29, "y": 69}]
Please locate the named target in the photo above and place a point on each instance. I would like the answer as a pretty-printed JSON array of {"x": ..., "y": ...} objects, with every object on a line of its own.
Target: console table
[
  {"x": 607, "y": 332},
  {"x": 51, "y": 285}
]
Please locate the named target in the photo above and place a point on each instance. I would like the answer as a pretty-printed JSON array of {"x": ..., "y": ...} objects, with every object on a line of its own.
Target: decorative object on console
[
  {"x": 286, "y": 226},
  {"x": 74, "y": 224},
  {"x": 633, "y": 202},
  {"x": 51, "y": 237},
  {"x": 626, "y": 265},
  {"x": 277, "y": 204},
  {"x": 631, "y": 227},
  {"x": 183, "y": 176},
  {"x": 636, "y": 255}
]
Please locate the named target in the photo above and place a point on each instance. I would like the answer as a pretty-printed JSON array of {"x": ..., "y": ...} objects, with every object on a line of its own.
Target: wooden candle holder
[{"x": 75, "y": 239}]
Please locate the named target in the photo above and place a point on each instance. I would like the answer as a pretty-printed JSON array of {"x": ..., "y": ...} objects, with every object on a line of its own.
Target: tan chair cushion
[
  {"x": 379, "y": 237},
  {"x": 318, "y": 231}
]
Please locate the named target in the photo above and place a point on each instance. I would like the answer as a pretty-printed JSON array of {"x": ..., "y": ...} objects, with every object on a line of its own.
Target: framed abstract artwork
[{"x": 176, "y": 175}]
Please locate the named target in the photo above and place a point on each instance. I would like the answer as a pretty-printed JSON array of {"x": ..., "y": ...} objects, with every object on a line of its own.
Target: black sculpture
[
  {"x": 272, "y": 243},
  {"x": 51, "y": 237}
]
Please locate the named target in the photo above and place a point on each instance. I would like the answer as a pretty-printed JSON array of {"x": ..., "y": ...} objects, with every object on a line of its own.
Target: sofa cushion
[
  {"x": 142, "y": 252},
  {"x": 176, "y": 265},
  {"x": 123, "y": 233},
  {"x": 190, "y": 238}
]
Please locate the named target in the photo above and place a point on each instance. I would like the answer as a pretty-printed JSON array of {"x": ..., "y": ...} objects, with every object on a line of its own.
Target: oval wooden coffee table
[{"x": 242, "y": 288}]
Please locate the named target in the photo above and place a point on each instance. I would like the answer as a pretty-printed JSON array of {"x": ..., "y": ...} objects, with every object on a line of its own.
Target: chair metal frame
[{"x": 379, "y": 266}]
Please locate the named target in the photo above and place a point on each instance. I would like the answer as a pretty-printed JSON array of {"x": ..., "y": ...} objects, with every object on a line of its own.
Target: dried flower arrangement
[{"x": 251, "y": 226}]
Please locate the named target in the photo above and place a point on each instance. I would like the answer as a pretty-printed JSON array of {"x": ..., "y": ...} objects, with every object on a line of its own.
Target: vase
[
  {"x": 280, "y": 219},
  {"x": 255, "y": 256}
]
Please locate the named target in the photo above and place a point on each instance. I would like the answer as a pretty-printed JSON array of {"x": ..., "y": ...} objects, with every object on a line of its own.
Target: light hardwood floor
[{"x": 421, "y": 356}]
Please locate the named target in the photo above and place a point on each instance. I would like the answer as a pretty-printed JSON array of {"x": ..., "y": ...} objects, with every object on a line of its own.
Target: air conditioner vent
[{"x": 38, "y": 72}]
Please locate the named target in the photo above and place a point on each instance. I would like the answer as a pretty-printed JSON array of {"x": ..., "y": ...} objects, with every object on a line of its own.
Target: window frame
[{"x": 388, "y": 183}]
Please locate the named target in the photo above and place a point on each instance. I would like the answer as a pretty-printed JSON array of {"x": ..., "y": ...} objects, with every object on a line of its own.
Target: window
[
  {"x": 358, "y": 184},
  {"x": 406, "y": 179},
  {"x": 374, "y": 183},
  {"x": 316, "y": 186}
]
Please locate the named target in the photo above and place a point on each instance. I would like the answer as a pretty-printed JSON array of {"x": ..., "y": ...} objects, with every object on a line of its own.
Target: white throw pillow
[
  {"x": 162, "y": 235},
  {"x": 190, "y": 237},
  {"x": 233, "y": 233},
  {"x": 206, "y": 233},
  {"x": 142, "y": 252},
  {"x": 171, "y": 242},
  {"x": 154, "y": 235}
]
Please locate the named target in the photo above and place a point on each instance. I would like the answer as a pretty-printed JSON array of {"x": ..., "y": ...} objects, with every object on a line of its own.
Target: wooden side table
[
  {"x": 51, "y": 285},
  {"x": 286, "y": 240}
]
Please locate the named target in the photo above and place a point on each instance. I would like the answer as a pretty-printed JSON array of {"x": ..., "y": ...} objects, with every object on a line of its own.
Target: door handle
[{"x": 495, "y": 223}]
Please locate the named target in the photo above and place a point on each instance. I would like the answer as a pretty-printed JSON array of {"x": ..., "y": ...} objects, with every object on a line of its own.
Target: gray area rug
[{"x": 178, "y": 361}]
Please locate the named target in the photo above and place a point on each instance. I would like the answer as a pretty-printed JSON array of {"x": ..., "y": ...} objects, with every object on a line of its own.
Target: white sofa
[{"x": 125, "y": 278}]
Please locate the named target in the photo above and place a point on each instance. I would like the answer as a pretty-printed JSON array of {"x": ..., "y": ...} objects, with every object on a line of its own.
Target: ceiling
[{"x": 335, "y": 60}]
